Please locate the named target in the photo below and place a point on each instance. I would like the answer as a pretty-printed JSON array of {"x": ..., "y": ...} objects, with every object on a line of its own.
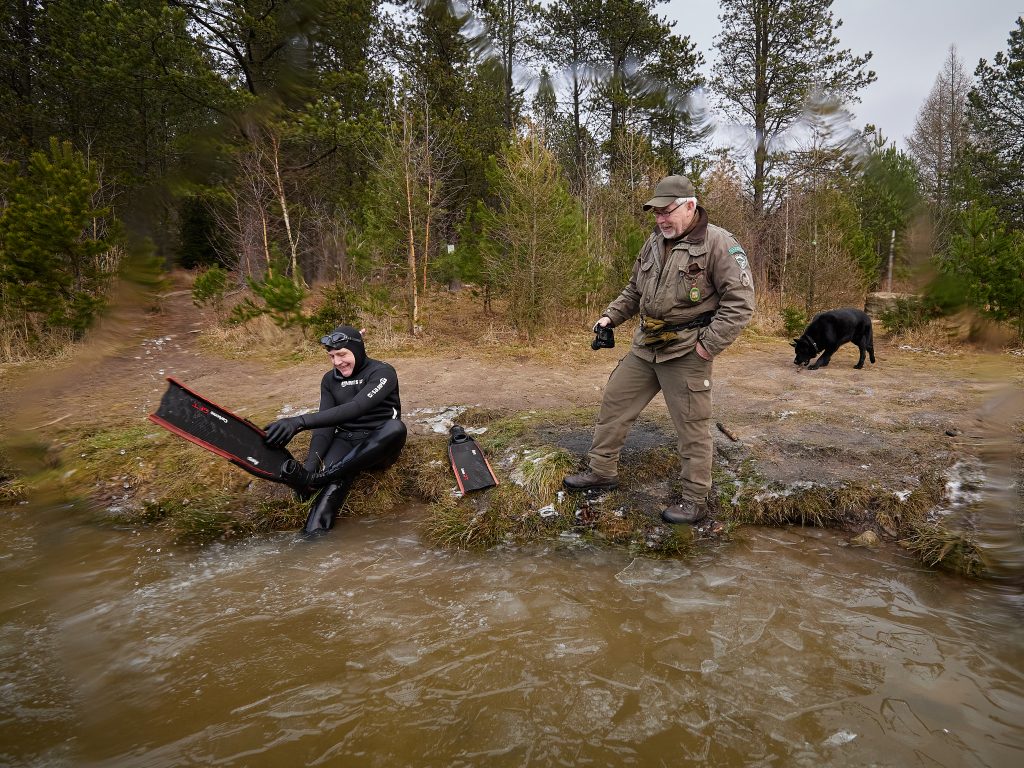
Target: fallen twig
[
  {"x": 726, "y": 432},
  {"x": 51, "y": 423}
]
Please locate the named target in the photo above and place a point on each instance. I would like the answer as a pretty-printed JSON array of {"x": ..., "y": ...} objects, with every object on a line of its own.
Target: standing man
[
  {"x": 358, "y": 427},
  {"x": 692, "y": 288}
]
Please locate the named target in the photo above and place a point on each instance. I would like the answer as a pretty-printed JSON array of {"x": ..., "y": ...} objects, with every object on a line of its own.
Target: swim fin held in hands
[
  {"x": 472, "y": 471},
  {"x": 200, "y": 421}
]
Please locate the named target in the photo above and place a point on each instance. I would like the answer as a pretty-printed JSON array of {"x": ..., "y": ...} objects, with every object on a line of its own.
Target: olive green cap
[{"x": 669, "y": 190}]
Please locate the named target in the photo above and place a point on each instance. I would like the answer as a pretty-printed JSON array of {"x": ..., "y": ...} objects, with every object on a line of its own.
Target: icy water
[{"x": 368, "y": 648}]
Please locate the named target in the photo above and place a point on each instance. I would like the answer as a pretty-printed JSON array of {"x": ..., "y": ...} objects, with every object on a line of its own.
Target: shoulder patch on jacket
[{"x": 738, "y": 253}]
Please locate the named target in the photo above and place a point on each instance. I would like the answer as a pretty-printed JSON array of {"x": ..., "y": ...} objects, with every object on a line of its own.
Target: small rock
[
  {"x": 954, "y": 432},
  {"x": 866, "y": 539}
]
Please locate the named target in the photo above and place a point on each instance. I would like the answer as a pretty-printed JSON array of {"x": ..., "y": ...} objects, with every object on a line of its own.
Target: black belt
[
  {"x": 700, "y": 321},
  {"x": 349, "y": 435}
]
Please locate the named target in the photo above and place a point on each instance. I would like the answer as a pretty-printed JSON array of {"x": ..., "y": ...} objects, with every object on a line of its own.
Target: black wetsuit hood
[{"x": 355, "y": 345}]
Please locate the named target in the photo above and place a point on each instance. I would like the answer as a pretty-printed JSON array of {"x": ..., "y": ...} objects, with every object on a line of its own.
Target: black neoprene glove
[{"x": 280, "y": 432}]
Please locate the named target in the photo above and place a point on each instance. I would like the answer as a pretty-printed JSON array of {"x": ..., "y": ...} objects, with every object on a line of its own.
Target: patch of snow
[
  {"x": 440, "y": 420},
  {"x": 963, "y": 483},
  {"x": 800, "y": 485},
  {"x": 289, "y": 410},
  {"x": 839, "y": 738}
]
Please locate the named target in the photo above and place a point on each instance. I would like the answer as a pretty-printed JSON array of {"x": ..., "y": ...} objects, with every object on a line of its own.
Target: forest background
[{"x": 317, "y": 161}]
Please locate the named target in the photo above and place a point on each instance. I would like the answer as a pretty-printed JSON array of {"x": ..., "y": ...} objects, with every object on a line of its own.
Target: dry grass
[
  {"x": 939, "y": 546},
  {"x": 146, "y": 477},
  {"x": 930, "y": 339},
  {"x": 450, "y": 323},
  {"x": 259, "y": 337},
  {"x": 540, "y": 471}
]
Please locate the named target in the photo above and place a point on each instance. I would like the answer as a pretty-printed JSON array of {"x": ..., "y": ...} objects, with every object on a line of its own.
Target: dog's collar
[{"x": 810, "y": 341}]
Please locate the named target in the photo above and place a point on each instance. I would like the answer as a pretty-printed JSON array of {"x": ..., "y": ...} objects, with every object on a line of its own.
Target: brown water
[{"x": 368, "y": 648}]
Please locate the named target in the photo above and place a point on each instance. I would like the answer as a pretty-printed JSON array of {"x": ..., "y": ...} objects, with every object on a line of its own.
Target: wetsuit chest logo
[
  {"x": 350, "y": 383},
  {"x": 378, "y": 388}
]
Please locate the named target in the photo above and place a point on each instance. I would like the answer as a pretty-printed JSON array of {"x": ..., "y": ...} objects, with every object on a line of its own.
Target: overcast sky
[{"x": 909, "y": 38}]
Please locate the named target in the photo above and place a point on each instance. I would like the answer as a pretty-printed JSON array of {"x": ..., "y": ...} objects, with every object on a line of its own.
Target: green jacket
[{"x": 704, "y": 270}]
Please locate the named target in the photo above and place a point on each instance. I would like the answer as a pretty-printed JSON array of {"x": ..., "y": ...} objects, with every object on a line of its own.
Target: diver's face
[{"x": 343, "y": 360}]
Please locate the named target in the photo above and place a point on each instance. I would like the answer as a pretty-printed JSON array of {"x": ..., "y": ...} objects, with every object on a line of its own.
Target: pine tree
[
  {"x": 534, "y": 241},
  {"x": 988, "y": 264},
  {"x": 773, "y": 55},
  {"x": 54, "y": 241},
  {"x": 887, "y": 194},
  {"x": 631, "y": 41},
  {"x": 568, "y": 39},
  {"x": 996, "y": 113}
]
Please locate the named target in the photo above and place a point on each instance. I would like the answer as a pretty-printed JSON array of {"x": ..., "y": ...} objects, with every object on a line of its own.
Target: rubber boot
[{"x": 321, "y": 516}]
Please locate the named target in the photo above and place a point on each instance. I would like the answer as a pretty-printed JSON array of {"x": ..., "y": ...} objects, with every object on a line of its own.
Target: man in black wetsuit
[{"x": 358, "y": 427}]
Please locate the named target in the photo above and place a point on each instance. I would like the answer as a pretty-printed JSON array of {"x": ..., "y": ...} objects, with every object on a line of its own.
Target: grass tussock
[
  {"x": 817, "y": 505},
  {"x": 423, "y": 465},
  {"x": 12, "y": 490},
  {"x": 12, "y": 487},
  {"x": 939, "y": 546},
  {"x": 504, "y": 514},
  {"x": 904, "y": 516},
  {"x": 145, "y": 476},
  {"x": 540, "y": 471}
]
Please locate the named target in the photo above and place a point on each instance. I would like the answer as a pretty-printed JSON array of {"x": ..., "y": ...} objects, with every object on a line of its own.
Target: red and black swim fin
[
  {"x": 471, "y": 468},
  {"x": 216, "y": 429}
]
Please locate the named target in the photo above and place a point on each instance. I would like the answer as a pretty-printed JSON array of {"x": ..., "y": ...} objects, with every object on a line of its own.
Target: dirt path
[{"x": 879, "y": 423}]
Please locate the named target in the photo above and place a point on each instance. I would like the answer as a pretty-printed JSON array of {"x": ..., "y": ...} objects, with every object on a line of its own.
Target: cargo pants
[{"x": 686, "y": 384}]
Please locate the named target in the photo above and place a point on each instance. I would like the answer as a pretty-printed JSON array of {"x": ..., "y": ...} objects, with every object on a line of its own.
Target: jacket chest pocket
[
  {"x": 692, "y": 284},
  {"x": 646, "y": 278}
]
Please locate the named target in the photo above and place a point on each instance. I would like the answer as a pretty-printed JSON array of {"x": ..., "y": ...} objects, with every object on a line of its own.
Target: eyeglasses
[
  {"x": 338, "y": 338},
  {"x": 665, "y": 211}
]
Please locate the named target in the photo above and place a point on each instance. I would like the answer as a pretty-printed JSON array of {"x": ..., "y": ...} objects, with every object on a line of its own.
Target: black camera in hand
[{"x": 603, "y": 338}]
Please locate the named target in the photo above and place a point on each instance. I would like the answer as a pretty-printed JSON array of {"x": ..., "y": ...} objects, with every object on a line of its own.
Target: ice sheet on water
[
  {"x": 504, "y": 606},
  {"x": 404, "y": 653},
  {"x": 592, "y": 708},
  {"x": 717, "y": 577},
  {"x": 643, "y": 571}
]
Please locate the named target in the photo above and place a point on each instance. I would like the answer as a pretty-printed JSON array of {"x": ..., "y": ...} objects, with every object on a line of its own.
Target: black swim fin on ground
[
  {"x": 216, "y": 429},
  {"x": 472, "y": 471}
]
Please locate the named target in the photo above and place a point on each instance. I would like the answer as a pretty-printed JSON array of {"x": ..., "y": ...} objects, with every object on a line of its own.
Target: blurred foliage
[{"x": 209, "y": 287}]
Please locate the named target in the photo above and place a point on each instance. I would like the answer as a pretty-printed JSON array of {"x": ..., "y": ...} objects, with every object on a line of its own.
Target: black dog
[{"x": 828, "y": 331}]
